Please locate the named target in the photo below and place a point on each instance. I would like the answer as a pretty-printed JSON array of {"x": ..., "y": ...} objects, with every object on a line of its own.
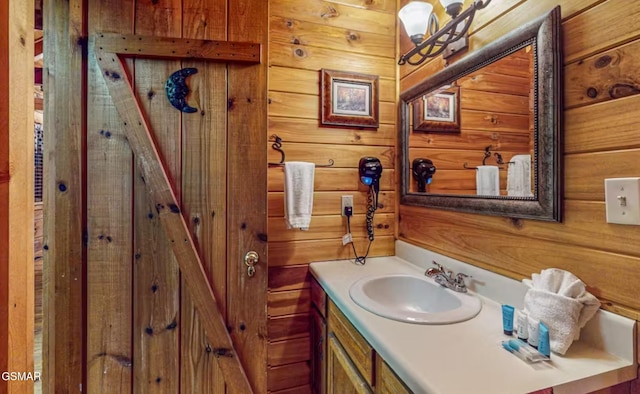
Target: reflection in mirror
[
  {"x": 475, "y": 157},
  {"x": 490, "y": 124}
]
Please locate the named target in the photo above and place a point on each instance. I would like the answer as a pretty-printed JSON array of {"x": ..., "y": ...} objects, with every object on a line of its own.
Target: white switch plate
[{"x": 622, "y": 199}]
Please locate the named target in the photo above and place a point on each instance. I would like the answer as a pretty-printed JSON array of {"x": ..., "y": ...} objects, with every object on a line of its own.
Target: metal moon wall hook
[
  {"x": 177, "y": 89},
  {"x": 277, "y": 145}
]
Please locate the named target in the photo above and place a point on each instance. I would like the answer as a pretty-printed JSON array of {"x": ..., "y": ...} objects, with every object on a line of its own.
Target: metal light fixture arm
[{"x": 438, "y": 42}]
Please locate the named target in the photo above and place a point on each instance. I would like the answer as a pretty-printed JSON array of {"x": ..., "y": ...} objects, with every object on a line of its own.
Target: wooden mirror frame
[{"x": 544, "y": 34}]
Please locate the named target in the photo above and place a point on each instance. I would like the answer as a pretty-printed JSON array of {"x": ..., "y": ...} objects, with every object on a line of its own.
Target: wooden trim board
[{"x": 133, "y": 45}]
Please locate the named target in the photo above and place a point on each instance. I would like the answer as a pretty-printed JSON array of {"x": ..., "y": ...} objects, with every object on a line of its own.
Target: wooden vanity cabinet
[{"x": 343, "y": 362}]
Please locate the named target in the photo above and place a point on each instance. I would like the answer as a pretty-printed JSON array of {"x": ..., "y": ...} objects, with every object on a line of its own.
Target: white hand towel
[
  {"x": 298, "y": 194},
  {"x": 519, "y": 176},
  {"x": 487, "y": 181},
  {"x": 560, "y": 300}
]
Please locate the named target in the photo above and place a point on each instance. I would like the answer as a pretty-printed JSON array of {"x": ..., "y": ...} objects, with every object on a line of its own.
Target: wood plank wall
[
  {"x": 494, "y": 112},
  {"x": 306, "y": 36},
  {"x": 601, "y": 140}
]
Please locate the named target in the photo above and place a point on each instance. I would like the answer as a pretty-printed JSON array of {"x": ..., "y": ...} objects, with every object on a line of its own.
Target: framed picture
[
  {"x": 438, "y": 112},
  {"x": 348, "y": 99}
]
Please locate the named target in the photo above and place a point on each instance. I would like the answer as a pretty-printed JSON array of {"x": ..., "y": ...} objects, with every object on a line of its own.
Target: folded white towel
[
  {"x": 487, "y": 181},
  {"x": 560, "y": 300},
  {"x": 298, "y": 194},
  {"x": 519, "y": 176}
]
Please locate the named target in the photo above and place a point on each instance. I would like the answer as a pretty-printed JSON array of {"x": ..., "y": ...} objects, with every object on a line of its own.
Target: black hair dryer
[
  {"x": 423, "y": 170},
  {"x": 370, "y": 172}
]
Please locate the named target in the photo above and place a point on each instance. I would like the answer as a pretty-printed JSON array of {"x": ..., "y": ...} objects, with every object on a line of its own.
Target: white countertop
[{"x": 467, "y": 357}]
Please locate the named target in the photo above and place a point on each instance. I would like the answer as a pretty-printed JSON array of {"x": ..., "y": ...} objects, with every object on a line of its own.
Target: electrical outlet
[{"x": 347, "y": 201}]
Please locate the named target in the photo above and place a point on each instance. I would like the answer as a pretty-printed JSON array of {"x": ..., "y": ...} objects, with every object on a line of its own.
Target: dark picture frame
[
  {"x": 349, "y": 99},
  {"x": 438, "y": 111}
]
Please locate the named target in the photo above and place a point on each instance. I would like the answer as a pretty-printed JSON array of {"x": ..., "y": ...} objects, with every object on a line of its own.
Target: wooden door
[
  {"x": 158, "y": 190},
  {"x": 167, "y": 223}
]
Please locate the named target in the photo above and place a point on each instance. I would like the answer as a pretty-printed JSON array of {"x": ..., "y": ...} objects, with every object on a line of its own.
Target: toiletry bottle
[
  {"x": 534, "y": 329},
  {"x": 543, "y": 340},
  {"x": 522, "y": 326},
  {"x": 507, "y": 319}
]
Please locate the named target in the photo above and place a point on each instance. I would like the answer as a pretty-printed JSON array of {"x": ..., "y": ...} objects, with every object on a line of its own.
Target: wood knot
[
  {"x": 603, "y": 61},
  {"x": 623, "y": 90},
  {"x": 352, "y": 36},
  {"x": 222, "y": 352},
  {"x": 289, "y": 23},
  {"x": 295, "y": 41},
  {"x": 299, "y": 52},
  {"x": 172, "y": 325},
  {"x": 331, "y": 12},
  {"x": 517, "y": 223},
  {"x": 114, "y": 76},
  {"x": 592, "y": 92}
]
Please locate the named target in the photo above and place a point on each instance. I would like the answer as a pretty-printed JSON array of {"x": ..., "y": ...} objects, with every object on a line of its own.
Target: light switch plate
[{"x": 622, "y": 199}]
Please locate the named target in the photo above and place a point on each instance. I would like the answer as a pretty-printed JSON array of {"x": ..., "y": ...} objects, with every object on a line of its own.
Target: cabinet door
[
  {"x": 387, "y": 381},
  {"x": 342, "y": 375}
]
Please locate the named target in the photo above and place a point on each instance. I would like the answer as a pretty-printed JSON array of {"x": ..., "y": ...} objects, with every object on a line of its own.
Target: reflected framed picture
[
  {"x": 438, "y": 111},
  {"x": 348, "y": 99}
]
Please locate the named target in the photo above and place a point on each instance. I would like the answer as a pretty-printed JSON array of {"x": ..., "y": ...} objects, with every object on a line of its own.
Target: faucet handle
[
  {"x": 459, "y": 281},
  {"x": 433, "y": 271}
]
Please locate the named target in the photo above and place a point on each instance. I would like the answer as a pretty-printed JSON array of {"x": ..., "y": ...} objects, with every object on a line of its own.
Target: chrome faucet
[{"x": 446, "y": 278}]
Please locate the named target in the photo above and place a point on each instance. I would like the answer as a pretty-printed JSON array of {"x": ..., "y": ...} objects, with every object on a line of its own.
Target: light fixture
[{"x": 417, "y": 18}]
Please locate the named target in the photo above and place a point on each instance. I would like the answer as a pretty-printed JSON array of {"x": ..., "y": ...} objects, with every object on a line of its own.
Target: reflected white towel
[
  {"x": 487, "y": 181},
  {"x": 560, "y": 300},
  {"x": 519, "y": 176},
  {"x": 298, "y": 194}
]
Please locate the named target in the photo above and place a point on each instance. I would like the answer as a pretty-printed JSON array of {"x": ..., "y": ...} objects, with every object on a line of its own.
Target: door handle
[{"x": 251, "y": 259}]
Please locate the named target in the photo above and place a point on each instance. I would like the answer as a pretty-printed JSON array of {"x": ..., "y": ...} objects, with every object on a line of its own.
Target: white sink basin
[{"x": 413, "y": 299}]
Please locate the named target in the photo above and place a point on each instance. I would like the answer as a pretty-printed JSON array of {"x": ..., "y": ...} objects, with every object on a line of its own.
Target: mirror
[{"x": 490, "y": 125}]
